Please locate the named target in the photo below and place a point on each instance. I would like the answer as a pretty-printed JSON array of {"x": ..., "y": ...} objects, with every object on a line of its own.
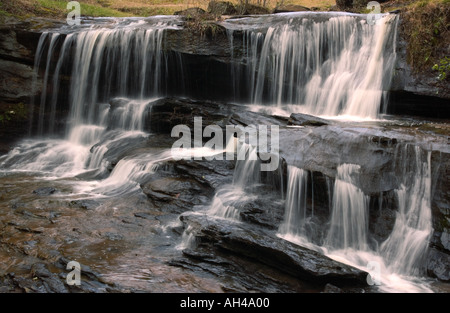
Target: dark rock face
[
  {"x": 169, "y": 112},
  {"x": 438, "y": 265},
  {"x": 264, "y": 247},
  {"x": 16, "y": 84},
  {"x": 417, "y": 104},
  {"x": 18, "y": 43},
  {"x": 410, "y": 84},
  {"x": 180, "y": 186},
  {"x": 45, "y": 280}
]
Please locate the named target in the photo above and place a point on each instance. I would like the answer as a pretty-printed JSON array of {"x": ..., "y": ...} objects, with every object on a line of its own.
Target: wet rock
[
  {"x": 51, "y": 281},
  {"x": 29, "y": 230},
  {"x": 440, "y": 204},
  {"x": 166, "y": 113},
  {"x": 384, "y": 141},
  {"x": 113, "y": 236},
  {"x": 144, "y": 215},
  {"x": 186, "y": 183},
  {"x": 382, "y": 215},
  {"x": 265, "y": 247},
  {"x": 85, "y": 204},
  {"x": 238, "y": 274},
  {"x": 329, "y": 288},
  {"x": 323, "y": 149},
  {"x": 16, "y": 80},
  {"x": 265, "y": 211},
  {"x": 445, "y": 240},
  {"x": 300, "y": 119},
  {"x": 438, "y": 265},
  {"x": 91, "y": 281},
  {"x": 290, "y": 8},
  {"x": 45, "y": 191}
]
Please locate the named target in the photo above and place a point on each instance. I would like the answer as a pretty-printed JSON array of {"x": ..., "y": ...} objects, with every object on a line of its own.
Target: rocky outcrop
[
  {"x": 266, "y": 248},
  {"x": 18, "y": 43},
  {"x": 16, "y": 84},
  {"x": 418, "y": 87}
]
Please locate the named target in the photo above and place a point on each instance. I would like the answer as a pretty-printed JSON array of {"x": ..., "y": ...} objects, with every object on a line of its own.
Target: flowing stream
[{"x": 322, "y": 64}]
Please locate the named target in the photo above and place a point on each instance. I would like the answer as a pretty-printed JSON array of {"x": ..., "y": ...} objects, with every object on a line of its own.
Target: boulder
[
  {"x": 265, "y": 247},
  {"x": 438, "y": 265},
  {"x": 167, "y": 113},
  {"x": 218, "y": 8},
  {"x": 180, "y": 185}
]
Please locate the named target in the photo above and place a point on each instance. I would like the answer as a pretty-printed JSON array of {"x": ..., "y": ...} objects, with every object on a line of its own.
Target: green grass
[
  {"x": 60, "y": 6},
  {"x": 4, "y": 13}
]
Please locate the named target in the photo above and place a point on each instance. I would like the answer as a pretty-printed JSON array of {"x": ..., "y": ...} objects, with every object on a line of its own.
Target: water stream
[{"x": 325, "y": 64}]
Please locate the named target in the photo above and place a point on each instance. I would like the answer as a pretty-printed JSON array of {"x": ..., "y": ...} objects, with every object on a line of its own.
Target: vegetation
[
  {"x": 425, "y": 25},
  {"x": 57, "y": 8},
  {"x": 443, "y": 68},
  {"x": 13, "y": 113}
]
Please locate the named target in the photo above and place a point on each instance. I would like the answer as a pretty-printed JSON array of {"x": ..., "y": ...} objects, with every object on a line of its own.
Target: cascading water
[
  {"x": 325, "y": 64},
  {"x": 349, "y": 217},
  {"x": 246, "y": 176},
  {"x": 295, "y": 207},
  {"x": 406, "y": 247},
  {"x": 399, "y": 259},
  {"x": 117, "y": 58}
]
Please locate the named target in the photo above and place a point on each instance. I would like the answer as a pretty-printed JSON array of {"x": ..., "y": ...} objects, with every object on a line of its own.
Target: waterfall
[
  {"x": 295, "y": 205},
  {"x": 246, "y": 176},
  {"x": 327, "y": 64},
  {"x": 349, "y": 212},
  {"x": 108, "y": 64},
  {"x": 318, "y": 63},
  {"x": 399, "y": 260},
  {"x": 406, "y": 247}
]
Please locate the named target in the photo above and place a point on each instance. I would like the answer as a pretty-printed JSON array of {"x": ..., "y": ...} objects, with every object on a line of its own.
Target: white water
[
  {"x": 396, "y": 264},
  {"x": 349, "y": 217},
  {"x": 246, "y": 176},
  {"x": 335, "y": 64},
  {"x": 295, "y": 206},
  {"x": 109, "y": 62},
  {"x": 406, "y": 248},
  {"x": 341, "y": 66}
]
